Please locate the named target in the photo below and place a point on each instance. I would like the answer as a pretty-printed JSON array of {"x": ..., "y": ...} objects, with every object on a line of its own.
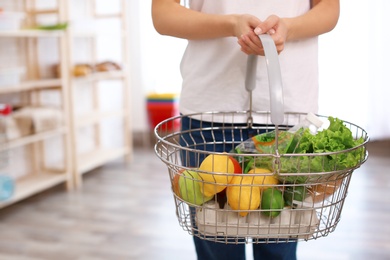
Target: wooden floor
[{"x": 127, "y": 212}]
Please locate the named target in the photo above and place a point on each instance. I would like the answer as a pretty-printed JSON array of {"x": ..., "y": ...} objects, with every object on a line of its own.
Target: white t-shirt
[{"x": 213, "y": 70}]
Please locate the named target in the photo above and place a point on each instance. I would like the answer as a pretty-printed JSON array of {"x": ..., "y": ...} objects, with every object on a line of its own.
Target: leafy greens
[{"x": 306, "y": 153}]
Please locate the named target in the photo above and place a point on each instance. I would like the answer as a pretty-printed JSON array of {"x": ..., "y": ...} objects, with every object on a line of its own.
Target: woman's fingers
[
  {"x": 268, "y": 26},
  {"x": 251, "y": 44},
  {"x": 274, "y": 26}
]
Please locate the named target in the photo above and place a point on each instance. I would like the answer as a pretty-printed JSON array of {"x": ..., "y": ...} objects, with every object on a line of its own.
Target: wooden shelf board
[
  {"x": 33, "y": 184},
  {"x": 83, "y": 34},
  {"x": 94, "y": 159},
  {"x": 93, "y": 34},
  {"x": 31, "y": 33},
  {"x": 42, "y": 11},
  {"x": 33, "y": 138},
  {"x": 31, "y": 85},
  {"x": 105, "y": 16},
  {"x": 97, "y": 117},
  {"x": 109, "y": 75}
]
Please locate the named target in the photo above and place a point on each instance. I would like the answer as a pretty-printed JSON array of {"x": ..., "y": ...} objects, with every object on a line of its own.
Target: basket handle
[{"x": 274, "y": 79}]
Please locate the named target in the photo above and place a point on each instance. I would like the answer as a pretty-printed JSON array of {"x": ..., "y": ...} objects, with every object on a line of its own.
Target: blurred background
[
  {"x": 82, "y": 85},
  {"x": 353, "y": 57}
]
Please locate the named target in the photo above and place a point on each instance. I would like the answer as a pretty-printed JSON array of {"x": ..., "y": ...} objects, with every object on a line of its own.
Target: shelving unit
[
  {"x": 39, "y": 175},
  {"x": 76, "y": 159},
  {"x": 99, "y": 154},
  {"x": 31, "y": 85},
  {"x": 31, "y": 33}
]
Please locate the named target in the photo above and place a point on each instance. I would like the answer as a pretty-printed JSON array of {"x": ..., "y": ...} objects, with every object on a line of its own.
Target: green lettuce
[
  {"x": 305, "y": 153},
  {"x": 337, "y": 141}
]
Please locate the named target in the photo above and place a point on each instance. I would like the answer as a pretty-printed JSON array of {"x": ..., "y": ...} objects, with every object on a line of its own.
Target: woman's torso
[{"x": 214, "y": 70}]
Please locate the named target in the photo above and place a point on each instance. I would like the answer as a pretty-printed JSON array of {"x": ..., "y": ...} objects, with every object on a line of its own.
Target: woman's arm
[
  {"x": 170, "y": 18},
  {"x": 320, "y": 19}
]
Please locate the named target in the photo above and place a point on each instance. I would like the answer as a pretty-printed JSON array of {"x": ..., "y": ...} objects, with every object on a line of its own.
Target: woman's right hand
[
  {"x": 245, "y": 24},
  {"x": 171, "y": 18},
  {"x": 274, "y": 26}
]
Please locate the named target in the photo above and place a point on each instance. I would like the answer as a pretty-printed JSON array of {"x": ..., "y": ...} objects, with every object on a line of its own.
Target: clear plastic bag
[{"x": 265, "y": 143}]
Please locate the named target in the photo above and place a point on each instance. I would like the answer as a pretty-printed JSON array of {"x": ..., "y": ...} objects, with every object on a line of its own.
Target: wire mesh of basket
[{"x": 312, "y": 200}]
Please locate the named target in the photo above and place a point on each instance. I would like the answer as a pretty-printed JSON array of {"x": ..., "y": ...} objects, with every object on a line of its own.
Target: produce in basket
[
  {"x": 189, "y": 188},
  {"x": 263, "y": 144},
  {"x": 242, "y": 194},
  {"x": 272, "y": 202},
  {"x": 334, "y": 140},
  {"x": 322, "y": 191},
  {"x": 266, "y": 181},
  {"x": 215, "y": 172},
  {"x": 295, "y": 193},
  {"x": 175, "y": 183}
]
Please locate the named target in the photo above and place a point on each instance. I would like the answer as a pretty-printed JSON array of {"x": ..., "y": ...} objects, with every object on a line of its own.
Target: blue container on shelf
[{"x": 7, "y": 187}]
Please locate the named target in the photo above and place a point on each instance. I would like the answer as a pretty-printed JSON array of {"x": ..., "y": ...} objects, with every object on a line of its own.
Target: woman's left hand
[{"x": 274, "y": 26}]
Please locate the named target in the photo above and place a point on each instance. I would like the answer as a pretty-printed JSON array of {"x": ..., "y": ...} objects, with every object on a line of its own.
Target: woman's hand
[
  {"x": 245, "y": 24},
  {"x": 320, "y": 19},
  {"x": 171, "y": 18},
  {"x": 274, "y": 26}
]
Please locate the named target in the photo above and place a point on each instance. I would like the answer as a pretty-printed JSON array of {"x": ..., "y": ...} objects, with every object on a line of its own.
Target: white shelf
[
  {"x": 42, "y": 11},
  {"x": 82, "y": 34},
  {"x": 33, "y": 184},
  {"x": 31, "y": 85},
  {"x": 31, "y": 33},
  {"x": 94, "y": 159},
  {"x": 98, "y": 76},
  {"x": 86, "y": 162},
  {"x": 29, "y": 48},
  {"x": 108, "y": 16},
  {"x": 92, "y": 34},
  {"x": 33, "y": 138},
  {"x": 96, "y": 117}
]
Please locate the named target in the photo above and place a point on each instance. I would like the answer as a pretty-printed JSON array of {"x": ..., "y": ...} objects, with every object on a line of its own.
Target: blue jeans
[{"x": 226, "y": 139}]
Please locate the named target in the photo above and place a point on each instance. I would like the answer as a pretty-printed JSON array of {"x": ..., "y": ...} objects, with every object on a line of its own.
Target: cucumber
[{"x": 58, "y": 26}]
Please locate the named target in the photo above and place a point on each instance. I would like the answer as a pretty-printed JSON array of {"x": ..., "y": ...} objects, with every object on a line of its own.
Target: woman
[{"x": 221, "y": 33}]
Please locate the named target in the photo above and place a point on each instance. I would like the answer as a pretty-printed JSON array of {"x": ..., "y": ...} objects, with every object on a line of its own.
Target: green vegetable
[
  {"x": 335, "y": 141},
  {"x": 298, "y": 193},
  {"x": 58, "y": 26},
  {"x": 336, "y": 138},
  {"x": 263, "y": 144},
  {"x": 272, "y": 202}
]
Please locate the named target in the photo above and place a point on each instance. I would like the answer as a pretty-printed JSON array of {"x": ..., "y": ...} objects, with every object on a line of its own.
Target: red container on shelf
[
  {"x": 5, "y": 109},
  {"x": 161, "y": 107}
]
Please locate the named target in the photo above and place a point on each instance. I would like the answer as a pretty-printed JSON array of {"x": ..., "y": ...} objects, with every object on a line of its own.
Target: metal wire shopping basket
[{"x": 269, "y": 197}]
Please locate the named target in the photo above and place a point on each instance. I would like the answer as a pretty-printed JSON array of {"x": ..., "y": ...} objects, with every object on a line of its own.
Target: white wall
[
  {"x": 353, "y": 61},
  {"x": 353, "y": 67},
  {"x": 155, "y": 61}
]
